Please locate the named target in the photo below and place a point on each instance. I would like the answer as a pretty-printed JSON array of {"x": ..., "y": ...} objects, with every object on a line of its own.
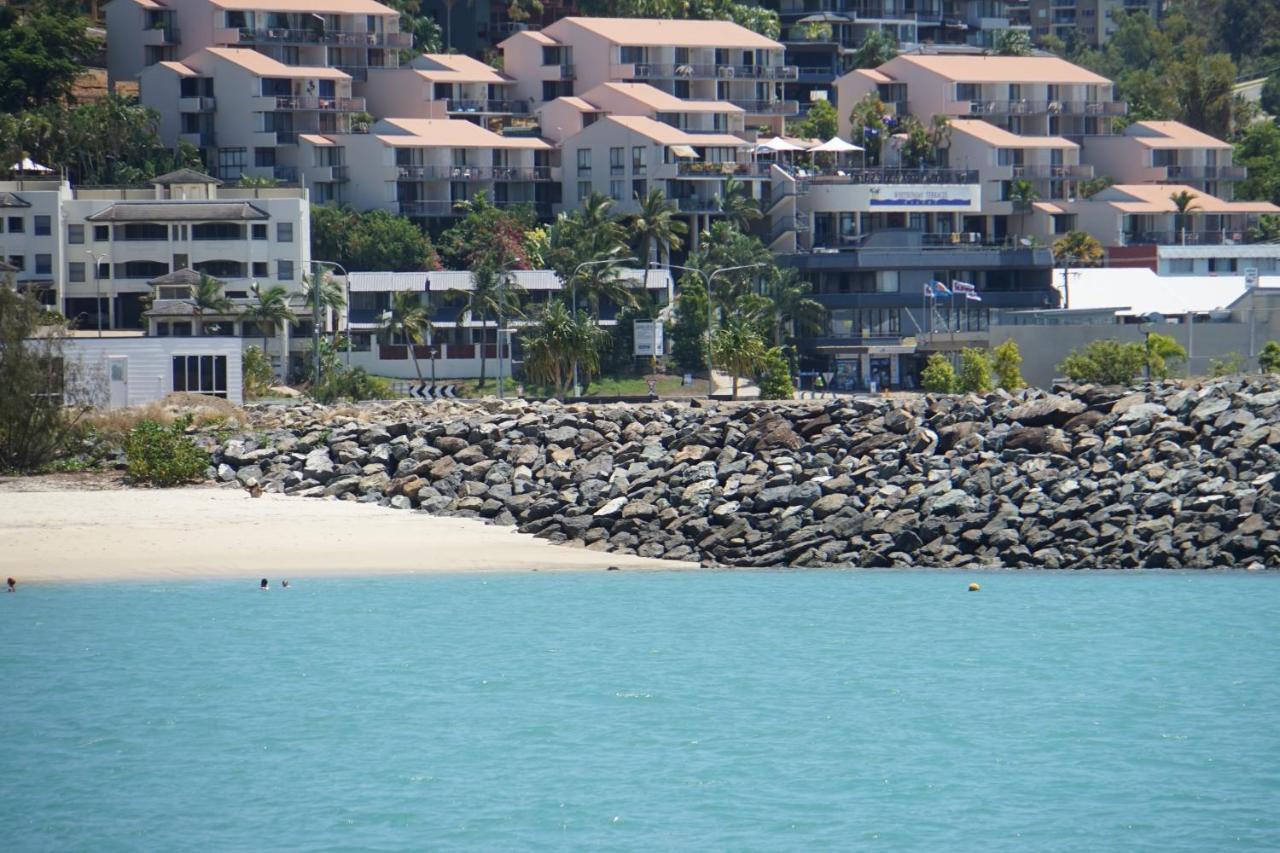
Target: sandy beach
[{"x": 54, "y": 530}]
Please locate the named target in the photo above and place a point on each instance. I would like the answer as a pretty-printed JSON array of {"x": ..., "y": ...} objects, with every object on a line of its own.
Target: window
[
  {"x": 284, "y": 270},
  {"x": 42, "y": 225},
  {"x": 584, "y": 190},
  {"x": 16, "y": 225},
  {"x": 616, "y": 163},
  {"x": 181, "y": 262},
  {"x": 18, "y": 262},
  {"x": 217, "y": 231},
  {"x": 260, "y": 269},
  {"x": 75, "y": 235},
  {"x": 284, "y": 232},
  {"x": 101, "y": 233},
  {"x": 264, "y": 158},
  {"x": 259, "y": 231},
  {"x": 44, "y": 264},
  {"x": 231, "y": 162},
  {"x": 616, "y": 190},
  {"x": 584, "y": 162},
  {"x": 103, "y": 271},
  {"x": 637, "y": 159},
  {"x": 631, "y": 54},
  {"x": 75, "y": 271},
  {"x": 201, "y": 374},
  {"x": 639, "y": 189}
]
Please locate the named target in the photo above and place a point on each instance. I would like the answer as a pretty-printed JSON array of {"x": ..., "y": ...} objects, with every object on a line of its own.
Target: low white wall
[{"x": 445, "y": 368}]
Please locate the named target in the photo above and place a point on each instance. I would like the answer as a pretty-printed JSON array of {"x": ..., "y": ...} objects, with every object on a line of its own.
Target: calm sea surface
[{"x": 763, "y": 711}]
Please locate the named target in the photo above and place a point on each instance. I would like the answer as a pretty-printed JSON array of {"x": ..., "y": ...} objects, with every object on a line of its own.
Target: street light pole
[
  {"x": 573, "y": 295},
  {"x": 711, "y": 382},
  {"x": 315, "y": 312},
  {"x": 97, "y": 286}
]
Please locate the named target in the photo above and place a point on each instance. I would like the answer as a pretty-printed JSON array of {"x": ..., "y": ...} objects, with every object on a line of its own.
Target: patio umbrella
[
  {"x": 824, "y": 18},
  {"x": 836, "y": 145},
  {"x": 776, "y": 145}
]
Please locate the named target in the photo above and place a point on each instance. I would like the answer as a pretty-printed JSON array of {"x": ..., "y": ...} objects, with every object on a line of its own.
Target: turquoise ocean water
[{"x": 749, "y": 711}]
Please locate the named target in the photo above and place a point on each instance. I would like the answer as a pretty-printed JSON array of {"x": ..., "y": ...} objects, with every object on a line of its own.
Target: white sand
[{"x": 53, "y": 534}]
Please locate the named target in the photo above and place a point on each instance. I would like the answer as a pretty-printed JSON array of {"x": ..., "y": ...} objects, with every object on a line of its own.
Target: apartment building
[
  {"x": 691, "y": 60},
  {"x": 422, "y": 168},
  {"x": 101, "y": 255},
  {"x": 1025, "y": 95},
  {"x": 354, "y": 35},
  {"x": 1166, "y": 152},
  {"x": 1091, "y": 21},
  {"x": 245, "y": 110},
  {"x": 443, "y": 86}
]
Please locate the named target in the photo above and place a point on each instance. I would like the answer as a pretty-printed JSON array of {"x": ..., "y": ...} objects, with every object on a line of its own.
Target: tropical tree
[
  {"x": 1023, "y": 194},
  {"x": 689, "y": 332},
  {"x": 1161, "y": 354},
  {"x": 737, "y": 205},
  {"x": 868, "y": 126},
  {"x": 493, "y": 293},
  {"x": 44, "y": 47},
  {"x": 604, "y": 280},
  {"x": 1107, "y": 362},
  {"x": 1092, "y": 186},
  {"x": 270, "y": 311},
  {"x": 209, "y": 298},
  {"x": 821, "y": 122},
  {"x": 877, "y": 48},
  {"x": 374, "y": 240},
  {"x": 1269, "y": 358},
  {"x": 938, "y": 376},
  {"x": 794, "y": 310},
  {"x": 656, "y": 228},
  {"x": 1185, "y": 202},
  {"x": 1012, "y": 43},
  {"x": 975, "y": 371},
  {"x": 1075, "y": 249},
  {"x": 325, "y": 290},
  {"x": 738, "y": 348},
  {"x": 487, "y": 235},
  {"x": 1006, "y": 361},
  {"x": 408, "y": 320},
  {"x": 1266, "y": 231},
  {"x": 557, "y": 342}
]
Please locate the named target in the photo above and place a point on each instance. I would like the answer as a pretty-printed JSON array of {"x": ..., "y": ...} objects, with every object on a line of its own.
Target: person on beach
[
  {"x": 264, "y": 585},
  {"x": 13, "y": 585}
]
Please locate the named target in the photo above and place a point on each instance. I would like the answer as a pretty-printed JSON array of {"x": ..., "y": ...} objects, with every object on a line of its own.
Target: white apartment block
[
  {"x": 101, "y": 255},
  {"x": 692, "y": 60},
  {"x": 245, "y": 110},
  {"x": 354, "y": 35}
]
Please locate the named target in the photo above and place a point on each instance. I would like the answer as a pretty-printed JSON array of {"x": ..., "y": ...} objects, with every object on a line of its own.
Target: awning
[
  {"x": 684, "y": 151},
  {"x": 837, "y": 145}
]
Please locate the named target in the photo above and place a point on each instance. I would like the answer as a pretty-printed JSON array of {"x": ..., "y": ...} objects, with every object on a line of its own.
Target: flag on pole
[
  {"x": 967, "y": 290},
  {"x": 936, "y": 288}
]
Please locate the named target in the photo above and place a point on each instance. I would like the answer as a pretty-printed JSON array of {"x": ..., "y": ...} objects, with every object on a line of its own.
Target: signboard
[
  {"x": 1250, "y": 277},
  {"x": 648, "y": 338},
  {"x": 911, "y": 198},
  {"x": 894, "y": 198}
]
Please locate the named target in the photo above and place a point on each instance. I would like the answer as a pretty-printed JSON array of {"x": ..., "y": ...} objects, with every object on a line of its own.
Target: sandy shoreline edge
[{"x": 52, "y": 533}]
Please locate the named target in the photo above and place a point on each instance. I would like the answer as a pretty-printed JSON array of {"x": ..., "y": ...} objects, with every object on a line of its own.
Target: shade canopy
[
  {"x": 777, "y": 144},
  {"x": 837, "y": 145},
  {"x": 29, "y": 165},
  {"x": 824, "y": 18},
  {"x": 684, "y": 151}
]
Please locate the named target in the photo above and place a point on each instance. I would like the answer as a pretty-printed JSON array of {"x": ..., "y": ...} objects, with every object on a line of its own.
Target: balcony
[
  {"x": 695, "y": 204},
  {"x": 158, "y": 36},
  {"x": 1187, "y": 237},
  {"x": 648, "y": 71},
  {"x": 328, "y": 174},
  {"x": 1026, "y": 107},
  {"x": 474, "y": 173},
  {"x": 285, "y": 174},
  {"x": 1051, "y": 172},
  {"x": 881, "y": 175},
  {"x": 310, "y": 103},
  {"x": 768, "y": 108},
  {"x": 1205, "y": 173},
  {"x": 206, "y": 139},
  {"x": 699, "y": 169},
  {"x": 488, "y": 107},
  {"x": 337, "y": 38},
  {"x": 568, "y": 72},
  {"x": 197, "y": 105}
]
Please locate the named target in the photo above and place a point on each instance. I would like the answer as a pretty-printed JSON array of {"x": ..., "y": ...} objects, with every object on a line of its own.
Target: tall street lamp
[
  {"x": 711, "y": 383},
  {"x": 315, "y": 312},
  {"x": 97, "y": 285},
  {"x": 573, "y": 293}
]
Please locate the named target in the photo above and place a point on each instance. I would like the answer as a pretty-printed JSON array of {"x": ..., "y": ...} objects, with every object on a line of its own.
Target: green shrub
[
  {"x": 160, "y": 455},
  {"x": 1107, "y": 362},
  {"x": 1227, "y": 365},
  {"x": 258, "y": 375},
  {"x": 1269, "y": 358},
  {"x": 975, "y": 371},
  {"x": 774, "y": 377},
  {"x": 352, "y": 384},
  {"x": 1006, "y": 360},
  {"x": 938, "y": 375}
]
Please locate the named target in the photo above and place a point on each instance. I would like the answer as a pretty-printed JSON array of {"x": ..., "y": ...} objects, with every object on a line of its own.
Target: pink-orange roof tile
[
  {"x": 449, "y": 133},
  {"x": 963, "y": 68},
  {"x": 663, "y": 31},
  {"x": 1171, "y": 134},
  {"x": 1002, "y": 138},
  {"x": 265, "y": 66}
]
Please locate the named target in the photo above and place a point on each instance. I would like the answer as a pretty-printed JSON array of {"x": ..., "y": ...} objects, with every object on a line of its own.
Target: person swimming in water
[
  {"x": 13, "y": 585},
  {"x": 264, "y": 585},
  {"x": 285, "y": 583}
]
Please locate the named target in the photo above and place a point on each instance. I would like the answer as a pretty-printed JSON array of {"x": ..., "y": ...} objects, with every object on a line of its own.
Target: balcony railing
[
  {"x": 309, "y": 103},
  {"x": 1026, "y": 107},
  {"x": 341, "y": 38},
  {"x": 475, "y": 173},
  {"x": 285, "y": 174},
  {"x": 455, "y": 105},
  {"x": 896, "y": 176},
  {"x": 197, "y": 104},
  {"x": 359, "y": 73},
  {"x": 694, "y": 204},
  {"x": 699, "y": 169},
  {"x": 166, "y": 35},
  {"x": 567, "y": 71},
  {"x": 1205, "y": 173},
  {"x": 768, "y": 108},
  {"x": 327, "y": 174},
  {"x": 450, "y": 208},
  {"x": 1188, "y": 237},
  {"x": 649, "y": 71},
  {"x": 1052, "y": 172}
]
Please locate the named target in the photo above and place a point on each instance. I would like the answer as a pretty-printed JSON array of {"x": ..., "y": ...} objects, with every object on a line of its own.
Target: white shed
[{"x": 122, "y": 369}]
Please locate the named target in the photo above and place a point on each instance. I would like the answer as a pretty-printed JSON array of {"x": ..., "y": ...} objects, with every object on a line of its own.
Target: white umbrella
[
  {"x": 28, "y": 165},
  {"x": 777, "y": 144},
  {"x": 837, "y": 145}
]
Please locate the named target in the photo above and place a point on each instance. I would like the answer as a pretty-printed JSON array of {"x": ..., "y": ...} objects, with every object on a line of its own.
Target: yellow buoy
[{"x": 973, "y": 587}]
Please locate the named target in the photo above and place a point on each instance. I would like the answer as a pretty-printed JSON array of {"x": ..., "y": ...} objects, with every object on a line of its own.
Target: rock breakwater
[{"x": 1085, "y": 477}]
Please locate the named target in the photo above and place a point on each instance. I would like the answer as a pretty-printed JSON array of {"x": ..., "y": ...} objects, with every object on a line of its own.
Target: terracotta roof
[
  {"x": 656, "y": 31},
  {"x": 330, "y": 7},
  {"x": 317, "y": 139},
  {"x": 179, "y": 211},
  {"x": 448, "y": 133},
  {"x": 1000, "y": 69},
  {"x": 578, "y": 104},
  {"x": 1155, "y": 198},
  {"x": 456, "y": 68},
  {"x": 1171, "y": 134},
  {"x": 265, "y": 66},
  {"x": 180, "y": 69},
  {"x": 1002, "y": 138},
  {"x": 661, "y": 101},
  {"x": 184, "y": 176},
  {"x": 665, "y": 134},
  {"x": 149, "y": 4},
  {"x": 532, "y": 35},
  {"x": 874, "y": 75},
  {"x": 1046, "y": 207}
]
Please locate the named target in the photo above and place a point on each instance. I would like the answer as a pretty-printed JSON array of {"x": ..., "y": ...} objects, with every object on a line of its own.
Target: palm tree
[
  {"x": 604, "y": 281},
  {"x": 558, "y": 342},
  {"x": 1023, "y": 194},
  {"x": 209, "y": 298},
  {"x": 1075, "y": 248},
  {"x": 492, "y": 294},
  {"x": 738, "y": 348},
  {"x": 794, "y": 311},
  {"x": 408, "y": 319},
  {"x": 270, "y": 310},
  {"x": 1185, "y": 202},
  {"x": 328, "y": 291},
  {"x": 656, "y": 227},
  {"x": 737, "y": 205}
]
